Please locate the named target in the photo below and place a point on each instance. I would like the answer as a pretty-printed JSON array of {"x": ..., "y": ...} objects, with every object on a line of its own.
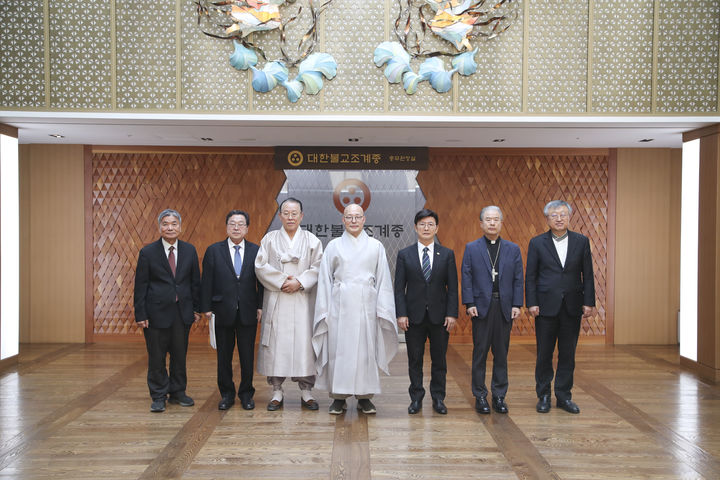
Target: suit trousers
[
  {"x": 564, "y": 330},
  {"x": 226, "y": 338},
  {"x": 415, "y": 337},
  {"x": 160, "y": 342},
  {"x": 490, "y": 332}
]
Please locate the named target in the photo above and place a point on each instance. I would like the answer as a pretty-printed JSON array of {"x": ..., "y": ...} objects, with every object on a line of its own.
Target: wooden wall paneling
[
  {"x": 460, "y": 182},
  {"x": 131, "y": 188},
  {"x": 24, "y": 152},
  {"x": 708, "y": 295},
  {"x": 673, "y": 298},
  {"x": 647, "y": 234},
  {"x": 88, "y": 240},
  {"x": 55, "y": 258},
  {"x": 611, "y": 219}
]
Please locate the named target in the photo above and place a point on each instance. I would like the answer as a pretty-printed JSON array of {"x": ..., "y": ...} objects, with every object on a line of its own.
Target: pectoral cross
[{"x": 494, "y": 274}]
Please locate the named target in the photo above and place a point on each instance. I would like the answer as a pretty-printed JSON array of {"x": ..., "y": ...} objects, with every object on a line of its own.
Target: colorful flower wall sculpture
[
  {"x": 455, "y": 21},
  {"x": 235, "y": 20}
]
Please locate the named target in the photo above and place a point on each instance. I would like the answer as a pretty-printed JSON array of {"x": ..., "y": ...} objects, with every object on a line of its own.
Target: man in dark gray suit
[
  {"x": 559, "y": 290},
  {"x": 167, "y": 299},
  {"x": 426, "y": 305},
  {"x": 492, "y": 291},
  {"x": 231, "y": 291}
]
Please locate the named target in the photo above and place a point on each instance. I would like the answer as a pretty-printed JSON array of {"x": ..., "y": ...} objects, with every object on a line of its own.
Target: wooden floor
[{"x": 82, "y": 412}]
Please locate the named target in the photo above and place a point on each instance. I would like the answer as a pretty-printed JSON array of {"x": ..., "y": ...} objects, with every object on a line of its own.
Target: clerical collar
[
  {"x": 492, "y": 242},
  {"x": 560, "y": 238}
]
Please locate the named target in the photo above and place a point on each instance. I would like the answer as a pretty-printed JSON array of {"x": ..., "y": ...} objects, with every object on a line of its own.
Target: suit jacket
[
  {"x": 414, "y": 296},
  {"x": 156, "y": 289},
  {"x": 477, "y": 282},
  {"x": 223, "y": 293},
  {"x": 547, "y": 283}
]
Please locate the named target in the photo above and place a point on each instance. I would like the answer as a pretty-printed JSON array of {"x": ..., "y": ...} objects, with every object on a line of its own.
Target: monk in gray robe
[
  {"x": 287, "y": 265},
  {"x": 355, "y": 333}
]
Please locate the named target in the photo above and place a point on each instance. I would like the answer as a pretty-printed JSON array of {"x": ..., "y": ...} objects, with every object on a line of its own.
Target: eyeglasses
[
  {"x": 426, "y": 225},
  {"x": 555, "y": 216},
  {"x": 353, "y": 218},
  {"x": 236, "y": 225},
  {"x": 290, "y": 214}
]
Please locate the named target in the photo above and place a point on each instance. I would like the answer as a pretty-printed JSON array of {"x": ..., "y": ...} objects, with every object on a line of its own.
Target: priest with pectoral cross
[{"x": 492, "y": 292}]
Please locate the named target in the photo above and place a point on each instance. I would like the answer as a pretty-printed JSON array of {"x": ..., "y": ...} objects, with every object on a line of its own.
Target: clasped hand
[{"x": 291, "y": 285}]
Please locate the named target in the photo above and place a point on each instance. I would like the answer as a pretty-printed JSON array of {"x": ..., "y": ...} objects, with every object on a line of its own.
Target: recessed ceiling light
[
  {"x": 646, "y": 140},
  {"x": 353, "y": 139},
  {"x": 498, "y": 140},
  {"x": 206, "y": 139},
  {"x": 56, "y": 135}
]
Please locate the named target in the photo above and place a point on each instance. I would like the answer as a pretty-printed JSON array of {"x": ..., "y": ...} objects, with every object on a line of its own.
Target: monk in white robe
[
  {"x": 355, "y": 333},
  {"x": 287, "y": 265}
]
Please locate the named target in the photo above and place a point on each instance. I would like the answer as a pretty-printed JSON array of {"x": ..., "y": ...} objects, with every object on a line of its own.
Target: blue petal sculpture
[
  {"x": 410, "y": 82},
  {"x": 294, "y": 89},
  {"x": 243, "y": 58},
  {"x": 433, "y": 69},
  {"x": 465, "y": 63},
  {"x": 265, "y": 80},
  {"x": 310, "y": 72}
]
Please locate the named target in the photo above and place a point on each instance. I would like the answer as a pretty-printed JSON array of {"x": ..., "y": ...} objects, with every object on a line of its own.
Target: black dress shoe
[
  {"x": 439, "y": 406},
  {"x": 311, "y": 404},
  {"x": 481, "y": 405},
  {"x": 415, "y": 407},
  {"x": 158, "y": 406},
  {"x": 274, "y": 405},
  {"x": 248, "y": 403},
  {"x": 543, "y": 405},
  {"x": 568, "y": 405},
  {"x": 226, "y": 403},
  {"x": 182, "y": 400},
  {"x": 499, "y": 405}
]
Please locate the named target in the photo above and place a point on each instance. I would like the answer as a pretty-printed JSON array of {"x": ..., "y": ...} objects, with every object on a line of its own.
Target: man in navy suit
[
  {"x": 231, "y": 291},
  {"x": 559, "y": 290},
  {"x": 426, "y": 305},
  {"x": 167, "y": 299},
  {"x": 492, "y": 291}
]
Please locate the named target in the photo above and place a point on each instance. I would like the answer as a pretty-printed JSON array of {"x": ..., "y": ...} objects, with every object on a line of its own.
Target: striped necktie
[{"x": 426, "y": 264}]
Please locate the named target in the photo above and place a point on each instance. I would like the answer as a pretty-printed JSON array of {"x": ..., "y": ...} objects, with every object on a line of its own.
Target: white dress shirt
[
  {"x": 561, "y": 247},
  {"x": 167, "y": 246},
  {"x": 231, "y": 246},
  {"x": 431, "y": 249}
]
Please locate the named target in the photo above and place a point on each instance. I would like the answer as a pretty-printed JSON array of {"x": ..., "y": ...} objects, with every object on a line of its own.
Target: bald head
[
  {"x": 354, "y": 219},
  {"x": 353, "y": 209}
]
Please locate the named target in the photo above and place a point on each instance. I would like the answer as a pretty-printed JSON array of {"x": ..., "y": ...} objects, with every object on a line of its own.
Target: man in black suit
[
  {"x": 231, "y": 291},
  {"x": 559, "y": 290},
  {"x": 426, "y": 304},
  {"x": 492, "y": 283},
  {"x": 167, "y": 297}
]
